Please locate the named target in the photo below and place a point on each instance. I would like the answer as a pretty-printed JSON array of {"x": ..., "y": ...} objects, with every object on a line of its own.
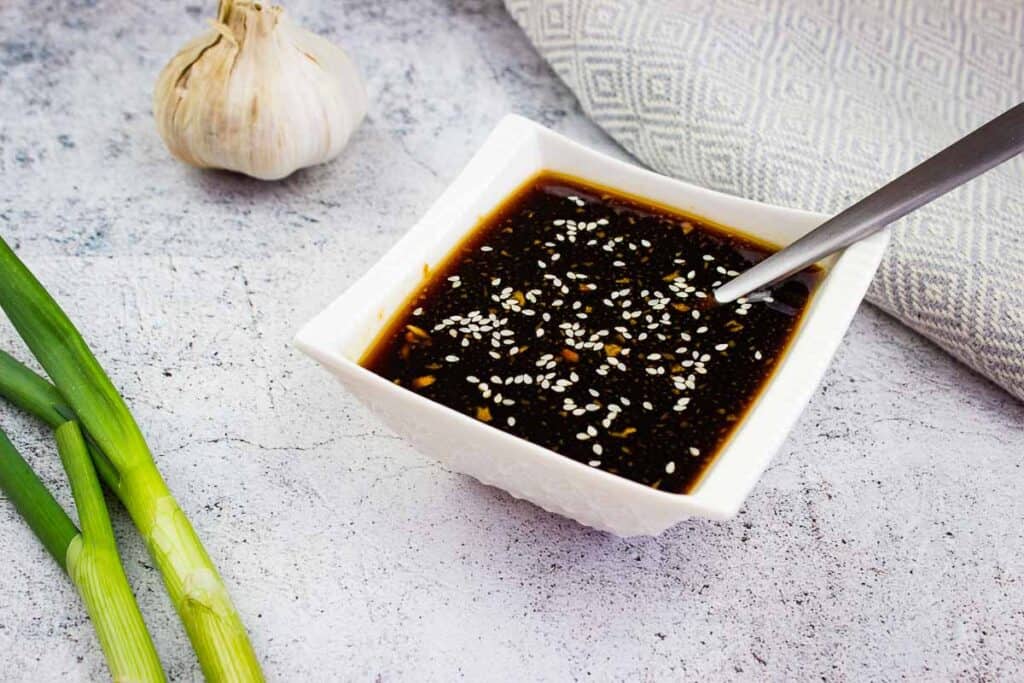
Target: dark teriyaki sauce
[{"x": 580, "y": 320}]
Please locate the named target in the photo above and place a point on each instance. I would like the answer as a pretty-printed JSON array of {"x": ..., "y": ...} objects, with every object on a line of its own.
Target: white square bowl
[{"x": 516, "y": 151}]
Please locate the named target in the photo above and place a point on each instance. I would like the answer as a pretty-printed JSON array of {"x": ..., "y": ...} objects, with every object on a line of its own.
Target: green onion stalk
[
  {"x": 124, "y": 462},
  {"x": 88, "y": 556}
]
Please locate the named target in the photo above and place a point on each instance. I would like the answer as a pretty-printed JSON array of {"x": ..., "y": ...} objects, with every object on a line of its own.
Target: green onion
[
  {"x": 95, "y": 567},
  {"x": 30, "y": 392},
  {"x": 89, "y": 557},
  {"x": 195, "y": 588},
  {"x": 33, "y": 394},
  {"x": 34, "y": 503}
]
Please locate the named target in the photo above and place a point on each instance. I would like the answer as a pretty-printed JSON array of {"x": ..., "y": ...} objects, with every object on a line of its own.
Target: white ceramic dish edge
[{"x": 514, "y": 152}]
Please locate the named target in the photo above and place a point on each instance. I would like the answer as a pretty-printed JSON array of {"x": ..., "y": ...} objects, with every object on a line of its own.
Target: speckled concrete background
[{"x": 886, "y": 541}]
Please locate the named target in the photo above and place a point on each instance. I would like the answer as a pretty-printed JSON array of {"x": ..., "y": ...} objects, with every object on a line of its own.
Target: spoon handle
[{"x": 995, "y": 142}]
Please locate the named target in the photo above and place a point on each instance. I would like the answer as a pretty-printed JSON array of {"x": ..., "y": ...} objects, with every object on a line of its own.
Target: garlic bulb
[{"x": 258, "y": 95}]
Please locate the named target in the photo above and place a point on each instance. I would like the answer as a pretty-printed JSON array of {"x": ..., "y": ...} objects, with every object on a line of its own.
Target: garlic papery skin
[{"x": 258, "y": 95}]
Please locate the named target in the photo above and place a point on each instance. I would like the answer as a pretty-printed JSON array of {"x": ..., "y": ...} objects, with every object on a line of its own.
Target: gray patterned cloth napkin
[{"x": 813, "y": 105}]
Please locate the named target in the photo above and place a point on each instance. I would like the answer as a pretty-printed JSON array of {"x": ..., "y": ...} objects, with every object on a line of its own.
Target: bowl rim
[{"x": 857, "y": 263}]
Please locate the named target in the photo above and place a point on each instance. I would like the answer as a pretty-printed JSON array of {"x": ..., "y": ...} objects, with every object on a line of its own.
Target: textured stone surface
[{"x": 885, "y": 541}]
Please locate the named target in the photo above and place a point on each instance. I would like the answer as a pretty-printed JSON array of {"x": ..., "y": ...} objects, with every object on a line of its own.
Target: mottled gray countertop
[{"x": 885, "y": 541}]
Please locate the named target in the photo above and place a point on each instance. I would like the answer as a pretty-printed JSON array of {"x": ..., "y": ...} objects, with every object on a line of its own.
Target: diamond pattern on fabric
[{"x": 813, "y": 105}]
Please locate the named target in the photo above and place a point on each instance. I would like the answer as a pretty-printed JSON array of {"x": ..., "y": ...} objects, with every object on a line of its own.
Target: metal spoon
[{"x": 1000, "y": 139}]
